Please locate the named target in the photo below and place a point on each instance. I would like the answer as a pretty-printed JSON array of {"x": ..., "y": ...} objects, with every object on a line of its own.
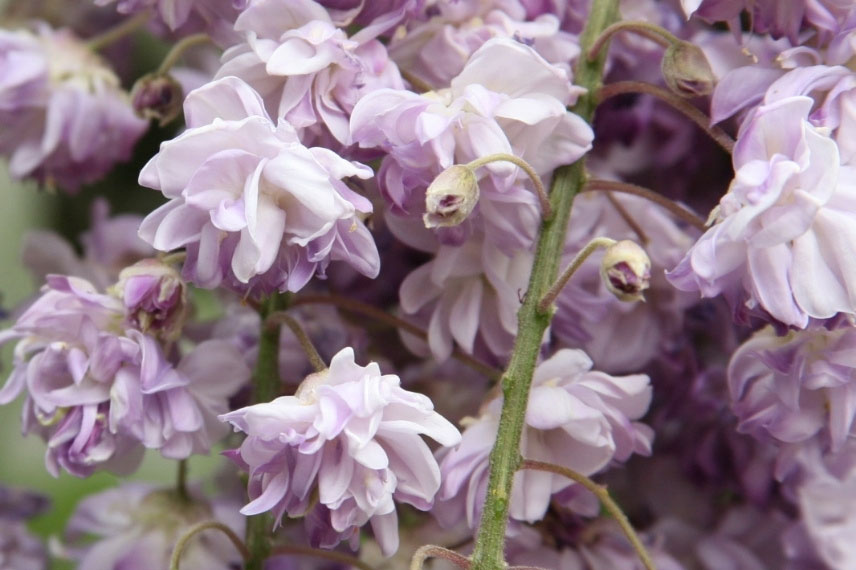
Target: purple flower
[
  {"x": 308, "y": 71},
  {"x": 576, "y": 417},
  {"x": 155, "y": 297},
  {"x": 352, "y": 434},
  {"x": 66, "y": 120},
  {"x": 255, "y": 209},
  {"x": 780, "y": 242},
  {"x": 796, "y": 388},
  {"x": 136, "y": 527},
  {"x": 96, "y": 390},
  {"x": 19, "y": 549},
  {"x": 188, "y": 16}
]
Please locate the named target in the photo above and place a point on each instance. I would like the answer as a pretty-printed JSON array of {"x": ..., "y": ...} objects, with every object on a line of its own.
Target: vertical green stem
[
  {"x": 266, "y": 387},
  {"x": 567, "y": 181}
]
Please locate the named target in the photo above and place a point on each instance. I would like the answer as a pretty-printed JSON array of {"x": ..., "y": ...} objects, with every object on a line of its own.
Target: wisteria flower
[
  {"x": 256, "y": 209},
  {"x": 576, "y": 417},
  {"x": 136, "y": 526},
  {"x": 782, "y": 239},
  {"x": 66, "y": 121},
  {"x": 352, "y": 434},
  {"x": 307, "y": 70},
  {"x": 796, "y": 388},
  {"x": 96, "y": 391}
]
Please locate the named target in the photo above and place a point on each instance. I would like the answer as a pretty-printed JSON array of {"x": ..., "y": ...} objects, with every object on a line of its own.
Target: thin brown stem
[
  {"x": 698, "y": 117},
  {"x": 283, "y": 318},
  {"x": 553, "y": 292},
  {"x": 433, "y": 551},
  {"x": 624, "y": 187},
  {"x": 116, "y": 33},
  {"x": 628, "y": 219},
  {"x": 181, "y": 480},
  {"x": 606, "y": 500},
  {"x": 340, "y": 557},
  {"x": 367, "y": 310},
  {"x": 648, "y": 30},
  {"x": 540, "y": 191},
  {"x": 180, "y": 546}
]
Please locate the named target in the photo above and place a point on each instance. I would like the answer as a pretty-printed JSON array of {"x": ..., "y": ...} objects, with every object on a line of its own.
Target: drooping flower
[
  {"x": 576, "y": 417},
  {"x": 506, "y": 100},
  {"x": 136, "y": 526},
  {"x": 350, "y": 433},
  {"x": 307, "y": 70},
  {"x": 781, "y": 242},
  {"x": 155, "y": 297},
  {"x": 66, "y": 120},
  {"x": 214, "y": 17},
  {"x": 19, "y": 549},
  {"x": 796, "y": 388},
  {"x": 256, "y": 209},
  {"x": 98, "y": 392}
]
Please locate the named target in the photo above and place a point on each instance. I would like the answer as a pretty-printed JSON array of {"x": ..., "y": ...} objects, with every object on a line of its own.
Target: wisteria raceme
[
  {"x": 96, "y": 391},
  {"x": 352, "y": 434},
  {"x": 256, "y": 209},
  {"x": 66, "y": 120}
]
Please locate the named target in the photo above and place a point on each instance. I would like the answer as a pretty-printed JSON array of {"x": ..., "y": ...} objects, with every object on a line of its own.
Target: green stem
[
  {"x": 116, "y": 33},
  {"x": 605, "y": 499},
  {"x": 283, "y": 318},
  {"x": 433, "y": 551},
  {"x": 266, "y": 387},
  {"x": 568, "y": 180},
  {"x": 181, "y": 480},
  {"x": 592, "y": 246},
  {"x": 648, "y": 30},
  {"x": 175, "y": 559},
  {"x": 543, "y": 199},
  {"x": 671, "y": 206},
  {"x": 179, "y": 48}
]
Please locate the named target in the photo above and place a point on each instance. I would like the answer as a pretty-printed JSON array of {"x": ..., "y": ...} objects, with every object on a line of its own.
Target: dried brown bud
[
  {"x": 451, "y": 197},
  {"x": 626, "y": 270},
  {"x": 157, "y": 96},
  {"x": 687, "y": 71}
]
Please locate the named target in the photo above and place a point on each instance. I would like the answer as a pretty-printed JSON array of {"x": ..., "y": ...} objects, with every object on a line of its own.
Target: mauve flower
[
  {"x": 796, "y": 388},
  {"x": 155, "y": 297},
  {"x": 136, "y": 526},
  {"x": 19, "y": 549},
  {"x": 96, "y": 390},
  {"x": 507, "y": 99},
  {"x": 66, "y": 121},
  {"x": 576, "y": 417},
  {"x": 254, "y": 207},
  {"x": 307, "y": 70},
  {"x": 108, "y": 246},
  {"x": 352, "y": 434},
  {"x": 781, "y": 241},
  {"x": 215, "y": 17},
  {"x": 470, "y": 296}
]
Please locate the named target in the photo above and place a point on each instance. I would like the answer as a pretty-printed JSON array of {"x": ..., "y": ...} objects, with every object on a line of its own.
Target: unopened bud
[
  {"x": 157, "y": 96},
  {"x": 451, "y": 197},
  {"x": 687, "y": 71},
  {"x": 626, "y": 270},
  {"x": 155, "y": 297}
]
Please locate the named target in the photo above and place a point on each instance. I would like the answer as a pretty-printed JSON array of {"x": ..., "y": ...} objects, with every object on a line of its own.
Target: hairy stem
[
  {"x": 432, "y": 551},
  {"x": 180, "y": 546},
  {"x": 505, "y": 456},
  {"x": 673, "y": 207},
  {"x": 550, "y": 296},
  {"x": 651, "y": 31},
  {"x": 266, "y": 387},
  {"x": 283, "y": 318},
  {"x": 543, "y": 199},
  {"x": 339, "y": 557},
  {"x": 372, "y": 312},
  {"x": 699, "y": 118},
  {"x": 605, "y": 499}
]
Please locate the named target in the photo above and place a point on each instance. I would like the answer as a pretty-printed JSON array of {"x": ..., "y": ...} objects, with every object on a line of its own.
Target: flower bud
[
  {"x": 687, "y": 71},
  {"x": 451, "y": 197},
  {"x": 626, "y": 270},
  {"x": 155, "y": 297},
  {"x": 157, "y": 96}
]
